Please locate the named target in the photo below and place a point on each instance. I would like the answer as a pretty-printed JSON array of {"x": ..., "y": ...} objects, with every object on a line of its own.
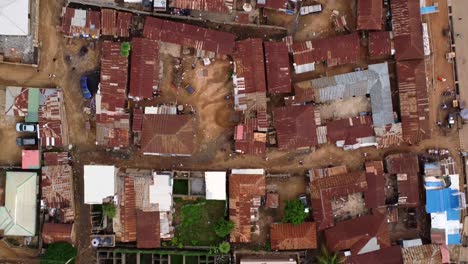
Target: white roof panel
[
  {"x": 99, "y": 183},
  {"x": 14, "y": 17},
  {"x": 161, "y": 191},
  {"x": 215, "y": 184}
]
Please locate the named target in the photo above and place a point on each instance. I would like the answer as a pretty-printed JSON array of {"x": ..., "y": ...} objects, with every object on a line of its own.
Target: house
[
  {"x": 390, "y": 255},
  {"x": 215, "y": 6},
  {"x": 360, "y": 235},
  {"x": 324, "y": 189},
  {"x": 146, "y": 70},
  {"x": 18, "y": 210},
  {"x": 405, "y": 166},
  {"x": 381, "y": 44},
  {"x": 369, "y": 15},
  {"x": 278, "y": 71},
  {"x": 407, "y": 30},
  {"x": 55, "y": 232},
  {"x": 14, "y": 18},
  {"x": 215, "y": 185},
  {"x": 375, "y": 193},
  {"x": 113, "y": 131},
  {"x": 99, "y": 183},
  {"x": 246, "y": 189},
  {"x": 31, "y": 159},
  {"x": 422, "y": 254},
  {"x": 57, "y": 190},
  {"x": 55, "y": 158},
  {"x": 115, "y": 23},
  {"x": 351, "y": 133},
  {"x": 81, "y": 23},
  {"x": 293, "y": 237},
  {"x": 295, "y": 127},
  {"x": 249, "y": 139},
  {"x": 167, "y": 135}
]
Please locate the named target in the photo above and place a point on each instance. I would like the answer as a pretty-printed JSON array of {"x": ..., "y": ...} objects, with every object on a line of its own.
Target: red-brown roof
[
  {"x": 137, "y": 125},
  {"x": 113, "y": 131},
  {"x": 355, "y": 234},
  {"x": 55, "y": 158},
  {"x": 423, "y": 254},
  {"x": 114, "y": 72},
  {"x": 295, "y": 126},
  {"x": 124, "y": 21},
  {"x": 148, "y": 229},
  {"x": 369, "y": 14},
  {"x": 144, "y": 77},
  {"x": 375, "y": 194},
  {"x": 391, "y": 255},
  {"x": 247, "y": 141},
  {"x": 338, "y": 50},
  {"x": 218, "y": 6},
  {"x": 128, "y": 212},
  {"x": 276, "y": 4},
  {"x": 250, "y": 65},
  {"x": 272, "y": 200},
  {"x": 53, "y": 232},
  {"x": 115, "y": 23},
  {"x": 52, "y": 131},
  {"x": 293, "y": 237},
  {"x": 322, "y": 190},
  {"x": 414, "y": 101},
  {"x": 380, "y": 44},
  {"x": 92, "y": 25},
  {"x": 406, "y": 167},
  {"x": 277, "y": 67},
  {"x": 242, "y": 189},
  {"x": 350, "y": 129},
  {"x": 168, "y": 134},
  {"x": 407, "y": 29},
  {"x": 187, "y": 35},
  {"x": 57, "y": 189}
]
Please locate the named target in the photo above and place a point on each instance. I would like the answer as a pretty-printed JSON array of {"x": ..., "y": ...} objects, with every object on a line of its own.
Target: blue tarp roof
[
  {"x": 441, "y": 200},
  {"x": 433, "y": 184},
  {"x": 428, "y": 10},
  {"x": 454, "y": 239}
]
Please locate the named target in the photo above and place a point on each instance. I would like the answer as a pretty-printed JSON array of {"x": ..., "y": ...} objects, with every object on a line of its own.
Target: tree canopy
[
  {"x": 59, "y": 252},
  {"x": 294, "y": 212},
  {"x": 223, "y": 227}
]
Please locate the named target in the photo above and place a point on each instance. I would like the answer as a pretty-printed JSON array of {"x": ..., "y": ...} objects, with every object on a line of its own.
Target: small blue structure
[{"x": 425, "y": 10}]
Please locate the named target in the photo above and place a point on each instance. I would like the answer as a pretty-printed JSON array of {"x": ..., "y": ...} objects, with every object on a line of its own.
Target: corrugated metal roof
[
  {"x": 145, "y": 68},
  {"x": 128, "y": 212},
  {"x": 31, "y": 159},
  {"x": 277, "y": 67},
  {"x": 391, "y": 255},
  {"x": 245, "y": 138},
  {"x": 148, "y": 229},
  {"x": 108, "y": 19},
  {"x": 406, "y": 167},
  {"x": 293, "y": 237},
  {"x": 53, "y": 233},
  {"x": 218, "y": 6},
  {"x": 113, "y": 131},
  {"x": 425, "y": 254},
  {"x": 407, "y": 29},
  {"x": 78, "y": 22},
  {"x": 375, "y": 194},
  {"x": 276, "y": 4},
  {"x": 57, "y": 189},
  {"x": 369, "y": 15},
  {"x": 114, "y": 72},
  {"x": 137, "y": 125},
  {"x": 349, "y": 131},
  {"x": 55, "y": 158},
  {"x": 380, "y": 44},
  {"x": 123, "y": 24}
]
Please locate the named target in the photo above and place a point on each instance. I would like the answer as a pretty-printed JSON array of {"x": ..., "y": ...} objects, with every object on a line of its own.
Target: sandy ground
[{"x": 8, "y": 135}]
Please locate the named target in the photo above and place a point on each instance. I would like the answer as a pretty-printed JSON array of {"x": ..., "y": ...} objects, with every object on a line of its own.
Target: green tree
[
  {"x": 329, "y": 258},
  {"x": 294, "y": 212},
  {"x": 224, "y": 247},
  {"x": 223, "y": 227},
  {"x": 60, "y": 252},
  {"x": 109, "y": 210}
]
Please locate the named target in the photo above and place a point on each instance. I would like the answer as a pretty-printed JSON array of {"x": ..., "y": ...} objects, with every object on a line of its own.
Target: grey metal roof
[{"x": 381, "y": 96}]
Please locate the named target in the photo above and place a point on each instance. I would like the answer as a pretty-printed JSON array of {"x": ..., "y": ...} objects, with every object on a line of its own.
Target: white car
[{"x": 26, "y": 127}]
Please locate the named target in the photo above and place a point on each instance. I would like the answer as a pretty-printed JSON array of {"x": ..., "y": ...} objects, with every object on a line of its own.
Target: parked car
[
  {"x": 84, "y": 88},
  {"x": 26, "y": 141},
  {"x": 26, "y": 127},
  {"x": 304, "y": 201}
]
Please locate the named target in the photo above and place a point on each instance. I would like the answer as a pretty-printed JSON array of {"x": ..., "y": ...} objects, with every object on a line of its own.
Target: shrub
[
  {"x": 60, "y": 252},
  {"x": 294, "y": 212},
  {"x": 223, "y": 227},
  {"x": 224, "y": 247},
  {"x": 108, "y": 209}
]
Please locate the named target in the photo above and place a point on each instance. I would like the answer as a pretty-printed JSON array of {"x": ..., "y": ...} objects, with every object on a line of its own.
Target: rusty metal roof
[
  {"x": 293, "y": 237},
  {"x": 123, "y": 24},
  {"x": 391, "y": 255},
  {"x": 114, "y": 72},
  {"x": 277, "y": 67},
  {"x": 55, "y": 158},
  {"x": 114, "y": 23},
  {"x": 354, "y": 234},
  {"x": 246, "y": 140},
  {"x": 380, "y": 44},
  {"x": 414, "y": 101},
  {"x": 76, "y": 22},
  {"x": 350, "y": 129},
  {"x": 406, "y": 167},
  {"x": 250, "y": 65},
  {"x": 295, "y": 126},
  {"x": 137, "y": 120},
  {"x": 52, "y": 131},
  {"x": 148, "y": 229},
  {"x": 168, "y": 134},
  {"x": 375, "y": 193},
  {"x": 128, "y": 212},
  {"x": 218, "y": 6},
  {"x": 338, "y": 50},
  {"x": 145, "y": 68},
  {"x": 369, "y": 15},
  {"x": 53, "y": 233},
  {"x": 188, "y": 35},
  {"x": 276, "y": 4},
  {"x": 407, "y": 29},
  {"x": 113, "y": 131},
  {"x": 56, "y": 185},
  {"x": 424, "y": 254}
]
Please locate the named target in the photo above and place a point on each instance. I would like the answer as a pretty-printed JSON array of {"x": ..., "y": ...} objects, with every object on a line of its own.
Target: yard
[{"x": 195, "y": 220}]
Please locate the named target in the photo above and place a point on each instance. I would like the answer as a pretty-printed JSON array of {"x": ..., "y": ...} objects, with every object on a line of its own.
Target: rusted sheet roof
[
  {"x": 338, "y": 50},
  {"x": 369, "y": 14},
  {"x": 77, "y": 22},
  {"x": 322, "y": 190},
  {"x": 57, "y": 187},
  {"x": 407, "y": 29},
  {"x": 380, "y": 44},
  {"x": 355, "y": 234},
  {"x": 218, "y": 6},
  {"x": 124, "y": 21},
  {"x": 148, "y": 229},
  {"x": 52, "y": 131},
  {"x": 243, "y": 188},
  {"x": 144, "y": 77},
  {"x": 391, "y": 255},
  {"x": 55, "y": 158},
  {"x": 248, "y": 57},
  {"x": 137, "y": 125},
  {"x": 114, "y": 71},
  {"x": 272, "y": 200},
  {"x": 350, "y": 129},
  {"x": 293, "y": 237},
  {"x": 276, "y": 4},
  {"x": 414, "y": 101},
  {"x": 406, "y": 167},
  {"x": 187, "y": 35},
  {"x": 168, "y": 134},
  {"x": 277, "y": 67},
  {"x": 115, "y": 23},
  {"x": 425, "y": 254},
  {"x": 247, "y": 140},
  {"x": 295, "y": 127},
  {"x": 128, "y": 212},
  {"x": 113, "y": 131},
  {"x": 53, "y": 232},
  {"x": 375, "y": 194}
]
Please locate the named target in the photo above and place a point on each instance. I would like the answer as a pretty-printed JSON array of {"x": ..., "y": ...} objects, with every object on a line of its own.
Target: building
[
  {"x": 360, "y": 235},
  {"x": 334, "y": 184},
  {"x": 57, "y": 190},
  {"x": 369, "y": 15},
  {"x": 146, "y": 69},
  {"x": 81, "y": 23},
  {"x": 115, "y": 23},
  {"x": 390, "y": 255},
  {"x": 249, "y": 139},
  {"x": 295, "y": 127},
  {"x": 18, "y": 210},
  {"x": 293, "y": 237},
  {"x": 215, "y": 185},
  {"x": 113, "y": 131},
  {"x": 351, "y": 133},
  {"x": 14, "y": 18},
  {"x": 216, "y": 6},
  {"x": 267, "y": 261},
  {"x": 167, "y": 135},
  {"x": 206, "y": 42},
  {"x": 31, "y": 159},
  {"x": 278, "y": 71},
  {"x": 334, "y": 51},
  {"x": 405, "y": 166},
  {"x": 55, "y": 158},
  {"x": 375, "y": 194},
  {"x": 99, "y": 183},
  {"x": 246, "y": 188},
  {"x": 407, "y": 30},
  {"x": 54, "y": 232},
  {"x": 422, "y": 254},
  {"x": 381, "y": 44}
]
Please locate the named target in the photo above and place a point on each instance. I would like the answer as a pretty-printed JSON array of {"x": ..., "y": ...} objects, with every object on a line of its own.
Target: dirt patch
[
  {"x": 349, "y": 107},
  {"x": 349, "y": 207},
  {"x": 8, "y": 136}
]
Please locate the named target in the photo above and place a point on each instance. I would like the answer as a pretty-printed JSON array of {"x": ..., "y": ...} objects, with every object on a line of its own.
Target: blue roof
[
  {"x": 441, "y": 200},
  {"x": 433, "y": 184},
  {"x": 454, "y": 239},
  {"x": 428, "y": 10}
]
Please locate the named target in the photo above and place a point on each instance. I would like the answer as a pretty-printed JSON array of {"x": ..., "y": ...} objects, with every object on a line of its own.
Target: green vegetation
[
  {"x": 329, "y": 258},
  {"x": 60, "y": 252},
  {"x": 108, "y": 209},
  {"x": 195, "y": 222},
  {"x": 294, "y": 212},
  {"x": 125, "y": 49},
  {"x": 223, "y": 227},
  {"x": 224, "y": 247},
  {"x": 180, "y": 187}
]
